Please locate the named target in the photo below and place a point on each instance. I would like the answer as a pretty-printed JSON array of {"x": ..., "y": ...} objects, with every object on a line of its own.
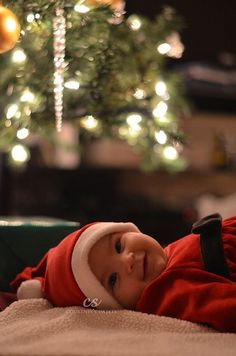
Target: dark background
[
  {"x": 210, "y": 26},
  {"x": 209, "y": 40}
]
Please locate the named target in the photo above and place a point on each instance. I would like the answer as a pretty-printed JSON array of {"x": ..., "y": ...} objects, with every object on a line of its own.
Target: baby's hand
[{"x": 30, "y": 289}]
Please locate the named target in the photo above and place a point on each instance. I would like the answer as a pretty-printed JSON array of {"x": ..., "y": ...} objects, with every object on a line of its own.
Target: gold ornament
[
  {"x": 115, "y": 4},
  {"x": 9, "y": 29}
]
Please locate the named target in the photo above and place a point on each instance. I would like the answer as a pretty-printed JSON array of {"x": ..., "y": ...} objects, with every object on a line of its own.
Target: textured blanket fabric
[{"x": 33, "y": 327}]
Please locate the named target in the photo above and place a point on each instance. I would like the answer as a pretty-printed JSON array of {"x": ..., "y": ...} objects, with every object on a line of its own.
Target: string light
[
  {"x": 133, "y": 119},
  {"x": 161, "y": 137},
  {"x": 8, "y": 123},
  {"x": 139, "y": 94},
  {"x": 170, "y": 153},
  {"x": 134, "y": 22},
  {"x": 163, "y": 48},
  {"x": 134, "y": 131},
  {"x": 81, "y": 8},
  {"x": 173, "y": 46},
  {"x": 22, "y": 133},
  {"x": 160, "y": 110},
  {"x": 20, "y": 153},
  {"x": 30, "y": 17},
  {"x": 18, "y": 56},
  {"x": 72, "y": 84},
  {"x": 11, "y": 111},
  {"x": 27, "y": 96},
  {"x": 89, "y": 123},
  {"x": 160, "y": 88}
]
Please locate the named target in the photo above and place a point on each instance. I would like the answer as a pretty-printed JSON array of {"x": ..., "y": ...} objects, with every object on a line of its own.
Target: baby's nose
[
  {"x": 134, "y": 264},
  {"x": 129, "y": 262}
]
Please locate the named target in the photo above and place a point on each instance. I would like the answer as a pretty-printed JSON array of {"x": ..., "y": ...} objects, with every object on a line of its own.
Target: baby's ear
[{"x": 30, "y": 289}]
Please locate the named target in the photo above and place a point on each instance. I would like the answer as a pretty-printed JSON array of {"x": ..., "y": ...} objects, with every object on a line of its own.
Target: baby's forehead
[
  {"x": 114, "y": 235},
  {"x": 118, "y": 234}
]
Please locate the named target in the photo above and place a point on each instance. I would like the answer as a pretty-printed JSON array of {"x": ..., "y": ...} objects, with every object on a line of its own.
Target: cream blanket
[{"x": 33, "y": 327}]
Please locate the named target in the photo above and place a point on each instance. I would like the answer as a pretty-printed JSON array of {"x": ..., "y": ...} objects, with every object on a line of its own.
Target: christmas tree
[{"x": 90, "y": 64}]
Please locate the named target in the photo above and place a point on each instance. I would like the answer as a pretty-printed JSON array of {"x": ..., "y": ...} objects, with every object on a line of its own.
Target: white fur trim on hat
[{"x": 85, "y": 278}]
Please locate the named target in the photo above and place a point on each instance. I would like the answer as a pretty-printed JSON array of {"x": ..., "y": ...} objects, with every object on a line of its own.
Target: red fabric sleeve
[
  {"x": 186, "y": 291},
  {"x": 193, "y": 296}
]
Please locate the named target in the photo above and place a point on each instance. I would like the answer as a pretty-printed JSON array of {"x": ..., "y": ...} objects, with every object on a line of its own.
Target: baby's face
[{"x": 125, "y": 263}]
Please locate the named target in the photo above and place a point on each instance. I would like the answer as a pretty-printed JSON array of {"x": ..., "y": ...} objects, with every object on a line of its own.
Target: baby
[{"x": 112, "y": 265}]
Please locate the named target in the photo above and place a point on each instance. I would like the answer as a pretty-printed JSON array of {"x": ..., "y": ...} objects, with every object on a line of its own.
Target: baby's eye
[
  {"x": 118, "y": 246},
  {"x": 112, "y": 280}
]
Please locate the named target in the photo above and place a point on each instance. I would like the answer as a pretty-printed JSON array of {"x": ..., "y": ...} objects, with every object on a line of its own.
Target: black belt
[{"x": 212, "y": 249}]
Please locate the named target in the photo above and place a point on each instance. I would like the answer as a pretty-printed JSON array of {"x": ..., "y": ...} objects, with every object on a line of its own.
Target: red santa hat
[{"x": 64, "y": 272}]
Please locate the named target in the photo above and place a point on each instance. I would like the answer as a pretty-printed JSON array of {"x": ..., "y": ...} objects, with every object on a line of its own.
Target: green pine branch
[{"x": 110, "y": 61}]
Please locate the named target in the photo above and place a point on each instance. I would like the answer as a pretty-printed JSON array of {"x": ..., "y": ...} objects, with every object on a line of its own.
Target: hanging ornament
[
  {"x": 9, "y": 29},
  {"x": 59, "y": 31},
  {"x": 116, "y": 5}
]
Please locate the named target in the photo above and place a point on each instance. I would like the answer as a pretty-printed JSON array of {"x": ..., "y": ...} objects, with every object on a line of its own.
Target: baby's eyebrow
[
  {"x": 116, "y": 235},
  {"x": 112, "y": 238}
]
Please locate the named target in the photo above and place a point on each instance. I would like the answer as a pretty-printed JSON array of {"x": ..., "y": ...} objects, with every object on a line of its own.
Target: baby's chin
[{"x": 155, "y": 266}]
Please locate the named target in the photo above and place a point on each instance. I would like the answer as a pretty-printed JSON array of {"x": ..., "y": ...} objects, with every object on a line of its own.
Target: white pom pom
[{"x": 30, "y": 289}]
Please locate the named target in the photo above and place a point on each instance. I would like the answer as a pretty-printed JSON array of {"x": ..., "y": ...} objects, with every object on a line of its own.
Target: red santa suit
[{"x": 185, "y": 290}]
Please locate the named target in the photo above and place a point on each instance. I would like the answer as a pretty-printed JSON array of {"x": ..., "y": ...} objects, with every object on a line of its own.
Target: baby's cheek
[{"x": 129, "y": 295}]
